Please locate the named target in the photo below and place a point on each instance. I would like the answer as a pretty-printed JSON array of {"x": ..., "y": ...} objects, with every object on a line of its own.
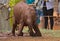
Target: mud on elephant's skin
[{"x": 25, "y": 16}]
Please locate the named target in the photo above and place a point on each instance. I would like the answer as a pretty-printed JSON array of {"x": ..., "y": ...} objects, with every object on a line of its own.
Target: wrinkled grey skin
[{"x": 25, "y": 16}]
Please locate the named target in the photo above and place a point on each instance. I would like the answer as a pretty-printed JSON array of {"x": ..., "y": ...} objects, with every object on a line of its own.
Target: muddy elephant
[{"x": 25, "y": 15}]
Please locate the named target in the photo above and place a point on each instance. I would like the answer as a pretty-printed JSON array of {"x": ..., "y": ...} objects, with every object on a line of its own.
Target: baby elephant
[{"x": 25, "y": 15}]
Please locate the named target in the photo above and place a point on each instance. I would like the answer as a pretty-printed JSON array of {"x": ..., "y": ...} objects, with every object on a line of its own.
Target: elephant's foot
[
  {"x": 21, "y": 34},
  {"x": 13, "y": 34},
  {"x": 32, "y": 34},
  {"x": 37, "y": 35}
]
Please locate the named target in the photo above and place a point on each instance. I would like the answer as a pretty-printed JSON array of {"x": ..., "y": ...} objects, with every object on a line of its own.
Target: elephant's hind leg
[{"x": 14, "y": 27}]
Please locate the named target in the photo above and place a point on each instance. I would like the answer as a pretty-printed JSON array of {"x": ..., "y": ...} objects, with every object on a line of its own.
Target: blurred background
[{"x": 7, "y": 11}]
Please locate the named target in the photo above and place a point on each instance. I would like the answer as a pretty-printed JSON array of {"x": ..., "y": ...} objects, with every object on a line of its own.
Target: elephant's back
[{"x": 23, "y": 11}]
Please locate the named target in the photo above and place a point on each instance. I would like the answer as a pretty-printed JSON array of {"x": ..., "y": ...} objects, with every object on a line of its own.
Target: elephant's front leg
[
  {"x": 36, "y": 29},
  {"x": 30, "y": 26},
  {"x": 20, "y": 33}
]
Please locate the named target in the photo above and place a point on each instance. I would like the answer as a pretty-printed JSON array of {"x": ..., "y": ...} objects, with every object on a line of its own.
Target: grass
[
  {"x": 47, "y": 33},
  {"x": 52, "y": 33}
]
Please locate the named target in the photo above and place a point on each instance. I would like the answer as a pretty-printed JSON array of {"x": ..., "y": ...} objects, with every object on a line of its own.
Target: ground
[
  {"x": 30, "y": 39},
  {"x": 47, "y": 35}
]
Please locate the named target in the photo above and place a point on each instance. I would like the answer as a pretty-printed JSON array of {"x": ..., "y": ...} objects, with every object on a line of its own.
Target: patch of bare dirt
[{"x": 30, "y": 39}]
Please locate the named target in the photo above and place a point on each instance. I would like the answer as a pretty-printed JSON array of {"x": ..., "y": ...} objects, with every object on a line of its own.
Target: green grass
[
  {"x": 49, "y": 33},
  {"x": 52, "y": 33}
]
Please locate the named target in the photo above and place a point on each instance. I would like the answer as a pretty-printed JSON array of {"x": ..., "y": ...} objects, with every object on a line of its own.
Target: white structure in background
[
  {"x": 4, "y": 1},
  {"x": 4, "y": 25}
]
